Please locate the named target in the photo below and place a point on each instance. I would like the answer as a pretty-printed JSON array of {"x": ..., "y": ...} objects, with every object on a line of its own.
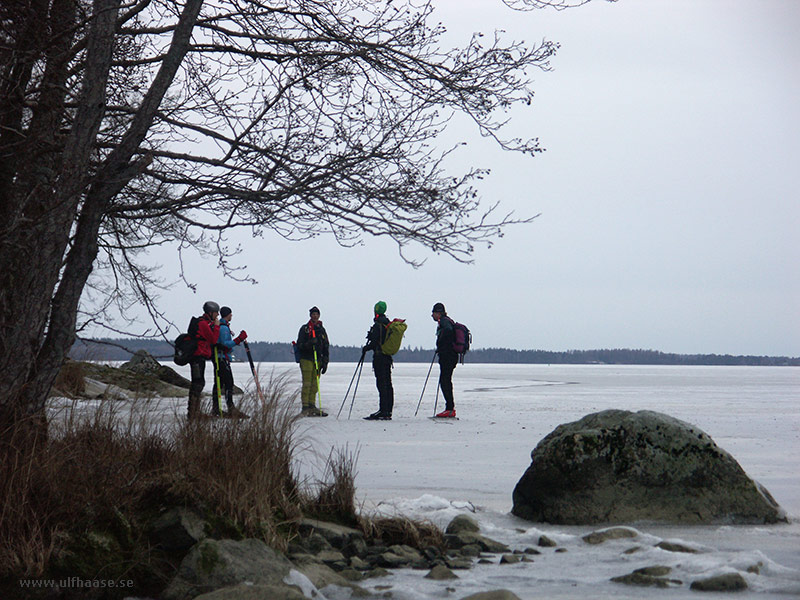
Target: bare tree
[
  {"x": 556, "y": 4},
  {"x": 128, "y": 124}
]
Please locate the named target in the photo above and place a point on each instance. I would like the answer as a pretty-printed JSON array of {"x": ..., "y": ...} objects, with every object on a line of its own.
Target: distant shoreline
[{"x": 122, "y": 349}]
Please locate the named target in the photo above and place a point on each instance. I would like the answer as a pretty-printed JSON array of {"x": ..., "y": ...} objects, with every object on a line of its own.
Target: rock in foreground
[{"x": 619, "y": 466}]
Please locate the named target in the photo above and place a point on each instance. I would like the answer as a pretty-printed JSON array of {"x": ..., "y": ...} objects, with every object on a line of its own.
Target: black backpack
[{"x": 186, "y": 344}]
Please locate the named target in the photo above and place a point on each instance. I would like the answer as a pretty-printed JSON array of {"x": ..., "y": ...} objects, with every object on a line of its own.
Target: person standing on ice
[
  {"x": 225, "y": 344},
  {"x": 381, "y": 364},
  {"x": 207, "y": 336},
  {"x": 313, "y": 346},
  {"x": 448, "y": 358}
]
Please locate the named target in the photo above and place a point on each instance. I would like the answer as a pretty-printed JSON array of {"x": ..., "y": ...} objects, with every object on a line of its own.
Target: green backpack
[{"x": 394, "y": 336}]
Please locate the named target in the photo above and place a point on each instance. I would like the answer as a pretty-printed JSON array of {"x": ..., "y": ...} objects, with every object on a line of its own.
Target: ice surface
[{"x": 428, "y": 470}]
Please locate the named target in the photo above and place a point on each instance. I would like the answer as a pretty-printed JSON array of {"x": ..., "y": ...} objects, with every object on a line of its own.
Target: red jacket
[{"x": 207, "y": 336}]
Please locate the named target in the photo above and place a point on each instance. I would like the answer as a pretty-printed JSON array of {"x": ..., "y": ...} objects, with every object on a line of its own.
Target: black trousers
[
  {"x": 382, "y": 365},
  {"x": 446, "y": 368},
  {"x": 197, "y": 367},
  {"x": 225, "y": 382}
]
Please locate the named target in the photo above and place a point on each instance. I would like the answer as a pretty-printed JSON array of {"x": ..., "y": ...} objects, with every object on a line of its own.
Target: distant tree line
[{"x": 122, "y": 349}]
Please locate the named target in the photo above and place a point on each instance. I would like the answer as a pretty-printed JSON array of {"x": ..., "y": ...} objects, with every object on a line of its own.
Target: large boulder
[
  {"x": 214, "y": 564},
  {"x": 178, "y": 529},
  {"x": 619, "y": 466},
  {"x": 144, "y": 364},
  {"x": 141, "y": 362}
]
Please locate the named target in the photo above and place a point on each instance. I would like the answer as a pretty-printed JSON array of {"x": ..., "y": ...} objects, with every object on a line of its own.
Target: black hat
[
  {"x": 438, "y": 307},
  {"x": 225, "y": 311},
  {"x": 313, "y": 309}
]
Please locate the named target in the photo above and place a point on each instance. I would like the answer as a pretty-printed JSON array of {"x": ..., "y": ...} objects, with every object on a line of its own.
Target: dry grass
[
  {"x": 400, "y": 530},
  {"x": 103, "y": 470},
  {"x": 335, "y": 497}
]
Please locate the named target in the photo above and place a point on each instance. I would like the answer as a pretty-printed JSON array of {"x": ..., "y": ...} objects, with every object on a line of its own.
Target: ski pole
[
  {"x": 316, "y": 364},
  {"x": 253, "y": 370},
  {"x": 316, "y": 372},
  {"x": 352, "y": 379},
  {"x": 216, "y": 377},
  {"x": 425, "y": 384},
  {"x": 353, "y": 400}
]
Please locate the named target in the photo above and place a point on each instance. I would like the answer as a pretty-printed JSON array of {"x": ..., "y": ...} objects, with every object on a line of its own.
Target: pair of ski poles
[
  {"x": 360, "y": 367},
  {"x": 436, "y": 402}
]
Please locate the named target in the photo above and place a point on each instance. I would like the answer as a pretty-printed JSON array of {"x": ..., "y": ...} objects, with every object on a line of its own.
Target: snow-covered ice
[{"x": 435, "y": 470}]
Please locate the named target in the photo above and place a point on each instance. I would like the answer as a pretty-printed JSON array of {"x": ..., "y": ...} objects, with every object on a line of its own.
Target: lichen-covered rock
[
  {"x": 612, "y": 533},
  {"x": 338, "y": 536},
  {"x": 546, "y": 542},
  {"x": 462, "y": 523},
  {"x": 648, "y": 576},
  {"x": 141, "y": 362},
  {"x": 178, "y": 529},
  {"x": 214, "y": 564},
  {"x": 728, "y": 582},
  {"x": 322, "y": 576},
  {"x": 441, "y": 573},
  {"x": 245, "y": 591},
  {"x": 455, "y": 541},
  {"x": 619, "y": 466},
  {"x": 493, "y": 595}
]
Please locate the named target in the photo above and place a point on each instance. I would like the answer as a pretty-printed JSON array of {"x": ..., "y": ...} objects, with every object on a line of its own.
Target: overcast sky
[{"x": 668, "y": 197}]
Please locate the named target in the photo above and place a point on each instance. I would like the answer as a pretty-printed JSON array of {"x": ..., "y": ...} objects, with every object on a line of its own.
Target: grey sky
[{"x": 668, "y": 195}]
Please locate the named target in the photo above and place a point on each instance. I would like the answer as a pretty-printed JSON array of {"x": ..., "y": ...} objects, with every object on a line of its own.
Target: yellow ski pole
[
  {"x": 216, "y": 377},
  {"x": 316, "y": 371}
]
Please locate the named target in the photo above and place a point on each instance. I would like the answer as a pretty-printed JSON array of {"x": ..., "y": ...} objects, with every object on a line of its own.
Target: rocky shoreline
[{"x": 324, "y": 556}]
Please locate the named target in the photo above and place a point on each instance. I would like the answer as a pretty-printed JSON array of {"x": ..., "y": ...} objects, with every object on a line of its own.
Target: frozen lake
[{"x": 436, "y": 470}]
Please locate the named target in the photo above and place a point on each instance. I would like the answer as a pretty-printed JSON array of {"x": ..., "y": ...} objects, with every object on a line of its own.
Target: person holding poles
[
  {"x": 313, "y": 346},
  {"x": 225, "y": 344},
  {"x": 381, "y": 364},
  {"x": 207, "y": 336},
  {"x": 448, "y": 358}
]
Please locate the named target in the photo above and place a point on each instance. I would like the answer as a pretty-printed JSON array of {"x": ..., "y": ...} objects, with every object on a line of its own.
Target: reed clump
[{"x": 80, "y": 500}]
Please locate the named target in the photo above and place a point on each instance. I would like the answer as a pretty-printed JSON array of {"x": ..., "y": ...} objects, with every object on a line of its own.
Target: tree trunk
[
  {"x": 50, "y": 248},
  {"x": 47, "y": 193}
]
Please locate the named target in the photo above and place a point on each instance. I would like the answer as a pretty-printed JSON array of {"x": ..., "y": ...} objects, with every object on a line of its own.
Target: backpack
[
  {"x": 461, "y": 340},
  {"x": 186, "y": 344},
  {"x": 296, "y": 352},
  {"x": 394, "y": 336}
]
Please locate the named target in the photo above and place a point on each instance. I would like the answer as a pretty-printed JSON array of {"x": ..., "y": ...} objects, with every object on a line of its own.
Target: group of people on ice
[
  {"x": 312, "y": 350},
  {"x": 214, "y": 341}
]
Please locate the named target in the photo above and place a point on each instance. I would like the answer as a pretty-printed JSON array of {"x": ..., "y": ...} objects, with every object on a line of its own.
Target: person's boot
[
  {"x": 379, "y": 416},
  {"x": 313, "y": 411},
  {"x": 447, "y": 414}
]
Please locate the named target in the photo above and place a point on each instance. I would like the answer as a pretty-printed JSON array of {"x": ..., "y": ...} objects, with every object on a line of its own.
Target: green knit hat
[{"x": 380, "y": 307}]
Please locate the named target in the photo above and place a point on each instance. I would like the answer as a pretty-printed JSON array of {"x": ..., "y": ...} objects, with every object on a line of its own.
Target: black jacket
[
  {"x": 306, "y": 342},
  {"x": 445, "y": 336},
  {"x": 376, "y": 336}
]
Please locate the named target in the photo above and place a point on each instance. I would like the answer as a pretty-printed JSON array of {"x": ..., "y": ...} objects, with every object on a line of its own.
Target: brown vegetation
[{"x": 103, "y": 474}]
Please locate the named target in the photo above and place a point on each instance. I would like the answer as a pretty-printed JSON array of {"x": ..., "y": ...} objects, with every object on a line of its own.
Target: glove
[
  {"x": 241, "y": 337},
  {"x": 363, "y": 351},
  {"x": 324, "y": 367}
]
